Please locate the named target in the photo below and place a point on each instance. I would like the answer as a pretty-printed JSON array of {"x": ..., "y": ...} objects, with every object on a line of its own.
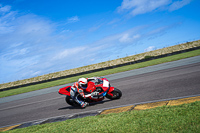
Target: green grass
[
  {"x": 101, "y": 73},
  {"x": 183, "y": 118}
]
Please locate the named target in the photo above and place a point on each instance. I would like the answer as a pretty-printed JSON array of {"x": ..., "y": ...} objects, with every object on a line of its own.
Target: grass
[
  {"x": 183, "y": 118},
  {"x": 100, "y": 73}
]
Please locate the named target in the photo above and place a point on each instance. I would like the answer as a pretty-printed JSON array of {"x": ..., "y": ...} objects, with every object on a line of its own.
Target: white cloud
[
  {"x": 73, "y": 19},
  {"x": 6, "y": 25},
  {"x": 114, "y": 21},
  {"x": 150, "y": 48},
  {"x": 4, "y": 9},
  {"x": 37, "y": 73},
  {"x": 66, "y": 53},
  {"x": 178, "y": 4},
  {"x": 95, "y": 28},
  {"x": 25, "y": 44},
  {"x": 16, "y": 44},
  {"x": 142, "y": 6},
  {"x": 136, "y": 7},
  {"x": 126, "y": 38},
  {"x": 31, "y": 45}
]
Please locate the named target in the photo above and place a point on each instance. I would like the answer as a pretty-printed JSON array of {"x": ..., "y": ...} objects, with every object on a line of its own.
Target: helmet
[{"x": 82, "y": 82}]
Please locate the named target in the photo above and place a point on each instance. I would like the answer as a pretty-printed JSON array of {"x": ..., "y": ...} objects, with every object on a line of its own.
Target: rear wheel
[{"x": 116, "y": 94}]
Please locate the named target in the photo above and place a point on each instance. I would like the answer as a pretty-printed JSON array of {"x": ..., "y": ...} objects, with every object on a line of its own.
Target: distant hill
[{"x": 103, "y": 65}]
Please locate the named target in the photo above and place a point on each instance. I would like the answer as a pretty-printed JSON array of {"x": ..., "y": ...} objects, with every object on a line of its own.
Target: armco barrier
[{"x": 100, "y": 69}]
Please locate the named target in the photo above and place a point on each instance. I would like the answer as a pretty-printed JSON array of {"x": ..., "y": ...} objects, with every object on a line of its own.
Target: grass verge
[
  {"x": 100, "y": 73},
  {"x": 183, "y": 118}
]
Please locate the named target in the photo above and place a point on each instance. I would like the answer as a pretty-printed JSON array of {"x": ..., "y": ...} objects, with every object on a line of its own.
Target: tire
[
  {"x": 70, "y": 101},
  {"x": 116, "y": 94}
]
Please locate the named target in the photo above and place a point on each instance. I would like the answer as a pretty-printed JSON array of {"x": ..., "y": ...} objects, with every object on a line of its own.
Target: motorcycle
[{"x": 100, "y": 87}]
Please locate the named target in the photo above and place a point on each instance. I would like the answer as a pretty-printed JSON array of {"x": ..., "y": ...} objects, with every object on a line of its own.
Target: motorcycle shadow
[{"x": 91, "y": 104}]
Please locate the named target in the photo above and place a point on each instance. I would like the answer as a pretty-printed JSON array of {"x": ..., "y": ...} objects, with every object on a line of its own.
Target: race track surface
[{"x": 163, "y": 81}]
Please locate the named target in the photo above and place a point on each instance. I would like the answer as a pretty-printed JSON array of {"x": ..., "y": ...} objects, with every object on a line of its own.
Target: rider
[{"x": 78, "y": 88}]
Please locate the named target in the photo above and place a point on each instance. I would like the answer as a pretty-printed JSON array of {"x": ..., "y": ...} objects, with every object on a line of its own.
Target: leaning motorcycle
[{"x": 100, "y": 86}]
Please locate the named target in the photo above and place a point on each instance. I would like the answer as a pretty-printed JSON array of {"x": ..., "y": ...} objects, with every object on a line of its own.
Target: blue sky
[{"x": 44, "y": 36}]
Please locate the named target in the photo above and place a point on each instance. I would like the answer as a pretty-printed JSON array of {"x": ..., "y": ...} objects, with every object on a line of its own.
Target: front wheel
[{"x": 116, "y": 94}]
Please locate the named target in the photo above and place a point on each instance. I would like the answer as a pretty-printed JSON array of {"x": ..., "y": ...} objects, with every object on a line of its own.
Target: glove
[{"x": 94, "y": 93}]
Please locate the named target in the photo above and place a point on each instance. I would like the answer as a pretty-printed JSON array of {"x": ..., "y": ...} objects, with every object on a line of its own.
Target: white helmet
[{"x": 82, "y": 82}]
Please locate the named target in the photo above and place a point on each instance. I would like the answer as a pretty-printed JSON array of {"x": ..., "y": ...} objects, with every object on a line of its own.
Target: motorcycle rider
[{"x": 78, "y": 88}]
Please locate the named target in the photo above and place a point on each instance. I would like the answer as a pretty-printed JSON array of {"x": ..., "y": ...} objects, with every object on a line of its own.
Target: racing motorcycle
[{"x": 100, "y": 87}]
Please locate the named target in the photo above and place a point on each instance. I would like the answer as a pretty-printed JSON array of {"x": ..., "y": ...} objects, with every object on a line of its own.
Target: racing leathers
[{"x": 76, "y": 90}]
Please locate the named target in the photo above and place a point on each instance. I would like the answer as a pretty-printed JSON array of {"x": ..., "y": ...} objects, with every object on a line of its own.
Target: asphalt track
[{"x": 164, "y": 81}]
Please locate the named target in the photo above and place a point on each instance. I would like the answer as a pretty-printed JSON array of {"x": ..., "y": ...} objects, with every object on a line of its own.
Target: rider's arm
[{"x": 81, "y": 92}]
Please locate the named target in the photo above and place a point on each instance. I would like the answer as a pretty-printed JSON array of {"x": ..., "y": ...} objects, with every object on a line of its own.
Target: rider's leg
[{"x": 80, "y": 102}]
